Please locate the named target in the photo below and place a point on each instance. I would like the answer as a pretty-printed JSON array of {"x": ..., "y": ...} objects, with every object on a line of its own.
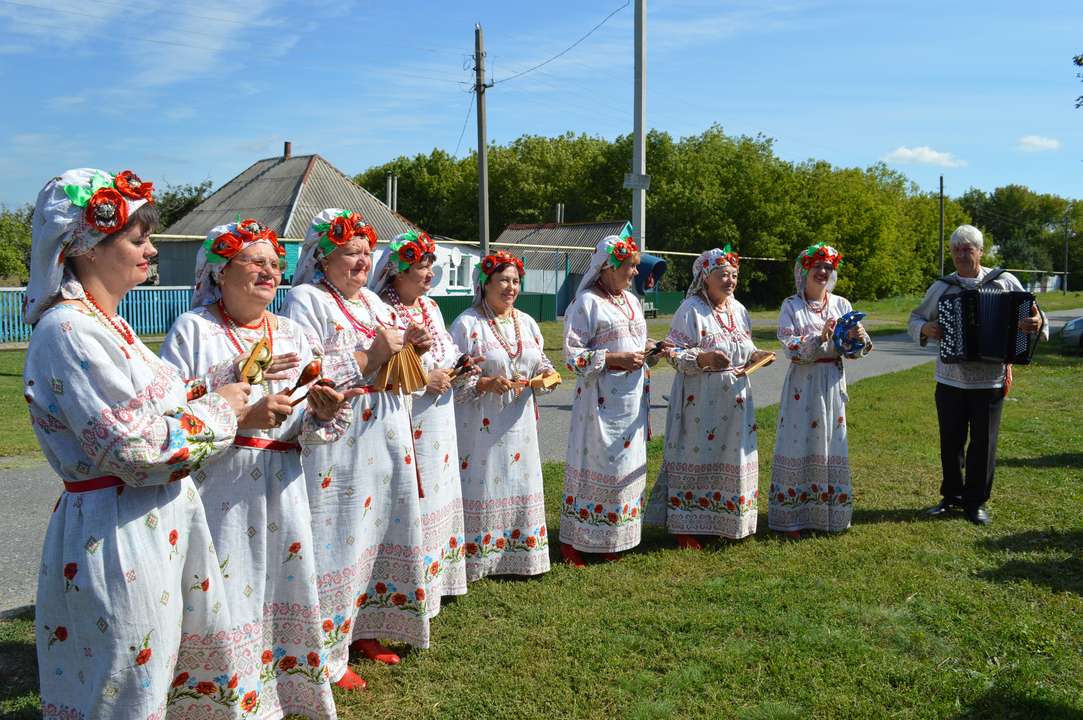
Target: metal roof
[
  {"x": 285, "y": 193},
  {"x": 579, "y": 235}
]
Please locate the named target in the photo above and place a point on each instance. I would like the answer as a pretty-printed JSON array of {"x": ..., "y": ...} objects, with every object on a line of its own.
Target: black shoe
[
  {"x": 978, "y": 516},
  {"x": 943, "y": 508}
]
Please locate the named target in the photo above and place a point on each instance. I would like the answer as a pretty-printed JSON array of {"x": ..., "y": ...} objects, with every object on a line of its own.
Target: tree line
[{"x": 711, "y": 189}]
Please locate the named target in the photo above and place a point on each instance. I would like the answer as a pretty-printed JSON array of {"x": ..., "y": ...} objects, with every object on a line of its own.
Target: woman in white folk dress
[
  {"x": 810, "y": 475},
  {"x": 403, "y": 278},
  {"x": 131, "y": 617},
  {"x": 255, "y": 493},
  {"x": 709, "y": 481},
  {"x": 364, "y": 490},
  {"x": 606, "y": 345},
  {"x": 497, "y": 427}
]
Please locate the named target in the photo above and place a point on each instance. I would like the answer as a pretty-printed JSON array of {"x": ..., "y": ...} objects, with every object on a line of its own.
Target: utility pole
[
  {"x": 638, "y": 180},
  {"x": 1067, "y": 232},
  {"x": 941, "y": 226},
  {"x": 483, "y": 144},
  {"x": 388, "y": 194}
]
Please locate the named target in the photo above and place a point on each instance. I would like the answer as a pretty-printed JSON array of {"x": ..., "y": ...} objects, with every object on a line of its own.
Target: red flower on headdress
[
  {"x": 490, "y": 263},
  {"x": 279, "y": 248},
  {"x": 361, "y": 228},
  {"x": 410, "y": 252},
  {"x": 621, "y": 251},
  {"x": 339, "y": 230},
  {"x": 730, "y": 258},
  {"x": 107, "y": 211},
  {"x": 227, "y": 245},
  {"x": 249, "y": 230},
  {"x": 131, "y": 186},
  {"x": 428, "y": 247}
]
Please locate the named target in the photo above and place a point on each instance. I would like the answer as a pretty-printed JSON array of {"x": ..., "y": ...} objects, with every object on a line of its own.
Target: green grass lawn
[{"x": 899, "y": 617}]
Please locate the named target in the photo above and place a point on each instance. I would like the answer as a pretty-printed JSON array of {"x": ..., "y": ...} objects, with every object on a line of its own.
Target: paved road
[{"x": 31, "y": 487}]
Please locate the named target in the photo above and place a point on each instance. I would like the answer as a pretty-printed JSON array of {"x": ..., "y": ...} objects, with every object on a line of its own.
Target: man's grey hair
[{"x": 967, "y": 235}]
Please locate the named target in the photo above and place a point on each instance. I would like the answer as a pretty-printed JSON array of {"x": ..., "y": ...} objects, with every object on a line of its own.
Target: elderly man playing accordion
[{"x": 969, "y": 394}]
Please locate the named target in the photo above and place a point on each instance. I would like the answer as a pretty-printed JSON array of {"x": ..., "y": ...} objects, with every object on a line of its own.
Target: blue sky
[{"x": 982, "y": 92}]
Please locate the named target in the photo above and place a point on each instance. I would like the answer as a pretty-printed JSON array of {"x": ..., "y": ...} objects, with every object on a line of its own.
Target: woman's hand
[
  {"x": 829, "y": 328},
  {"x": 236, "y": 394},
  {"x": 627, "y": 361},
  {"x": 498, "y": 385},
  {"x": 418, "y": 337},
  {"x": 280, "y": 366},
  {"x": 754, "y": 358},
  {"x": 858, "y": 332},
  {"x": 268, "y": 412},
  {"x": 324, "y": 401},
  {"x": 439, "y": 382},
  {"x": 713, "y": 360},
  {"x": 387, "y": 342}
]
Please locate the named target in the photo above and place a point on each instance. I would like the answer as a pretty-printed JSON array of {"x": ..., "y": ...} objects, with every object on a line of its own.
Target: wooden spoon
[{"x": 309, "y": 373}]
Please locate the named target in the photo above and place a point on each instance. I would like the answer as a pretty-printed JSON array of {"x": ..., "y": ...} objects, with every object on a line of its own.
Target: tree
[
  {"x": 15, "y": 243},
  {"x": 1078, "y": 60},
  {"x": 175, "y": 201}
]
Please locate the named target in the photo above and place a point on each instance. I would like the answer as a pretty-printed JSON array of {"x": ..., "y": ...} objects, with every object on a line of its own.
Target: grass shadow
[
  {"x": 1050, "y": 558},
  {"x": 1003, "y": 704},
  {"x": 19, "y": 668},
  {"x": 1056, "y": 460}
]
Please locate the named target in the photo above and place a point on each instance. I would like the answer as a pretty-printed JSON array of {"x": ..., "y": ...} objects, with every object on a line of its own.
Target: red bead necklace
[
  {"x": 823, "y": 306},
  {"x": 490, "y": 317},
  {"x": 729, "y": 312},
  {"x": 125, "y": 332},
  {"x": 356, "y": 324},
  {"x": 437, "y": 349},
  {"x": 233, "y": 329}
]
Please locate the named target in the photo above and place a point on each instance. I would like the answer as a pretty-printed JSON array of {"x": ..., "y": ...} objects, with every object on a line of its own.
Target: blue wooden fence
[{"x": 149, "y": 310}]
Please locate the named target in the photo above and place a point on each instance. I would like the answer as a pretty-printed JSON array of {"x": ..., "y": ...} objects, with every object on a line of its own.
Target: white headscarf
[
  {"x": 73, "y": 213},
  {"x": 319, "y": 245},
  {"x": 707, "y": 263},
  {"x": 386, "y": 270},
  {"x": 606, "y": 252},
  {"x": 222, "y": 243},
  {"x": 810, "y": 255}
]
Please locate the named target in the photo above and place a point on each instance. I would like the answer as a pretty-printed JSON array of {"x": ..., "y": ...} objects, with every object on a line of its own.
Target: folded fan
[{"x": 403, "y": 373}]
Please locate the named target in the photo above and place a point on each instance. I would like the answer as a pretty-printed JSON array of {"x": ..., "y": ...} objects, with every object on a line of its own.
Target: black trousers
[{"x": 961, "y": 413}]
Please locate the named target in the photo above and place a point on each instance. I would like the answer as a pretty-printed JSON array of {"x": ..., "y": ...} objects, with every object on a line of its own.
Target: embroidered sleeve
[
  {"x": 798, "y": 345},
  {"x": 686, "y": 332},
  {"x": 179, "y": 349},
  {"x": 579, "y": 329},
  {"x": 123, "y": 431}
]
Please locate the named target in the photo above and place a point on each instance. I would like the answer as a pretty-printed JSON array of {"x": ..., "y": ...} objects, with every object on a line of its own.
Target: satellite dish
[{"x": 456, "y": 256}]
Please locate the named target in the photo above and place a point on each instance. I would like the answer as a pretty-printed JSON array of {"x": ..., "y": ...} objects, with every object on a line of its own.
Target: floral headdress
[
  {"x": 74, "y": 212},
  {"x": 708, "y": 262},
  {"x": 220, "y": 249},
  {"x": 490, "y": 263},
  {"x": 409, "y": 248},
  {"x": 105, "y": 199},
  {"x": 623, "y": 248},
  {"x": 820, "y": 252},
  {"x": 342, "y": 228}
]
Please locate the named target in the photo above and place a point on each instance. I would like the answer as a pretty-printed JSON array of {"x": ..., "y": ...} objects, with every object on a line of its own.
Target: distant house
[
  {"x": 556, "y": 271},
  {"x": 285, "y": 193}
]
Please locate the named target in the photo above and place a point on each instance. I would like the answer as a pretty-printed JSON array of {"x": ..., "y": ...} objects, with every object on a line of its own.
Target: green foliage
[
  {"x": 1078, "y": 60},
  {"x": 15, "y": 242},
  {"x": 176, "y": 200}
]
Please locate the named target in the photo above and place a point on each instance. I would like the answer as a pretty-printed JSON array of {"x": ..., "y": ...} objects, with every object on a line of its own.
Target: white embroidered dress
[
  {"x": 503, "y": 494},
  {"x": 433, "y": 421},
  {"x": 709, "y": 481},
  {"x": 810, "y": 476},
  {"x": 606, "y": 462},
  {"x": 366, "y": 514},
  {"x": 132, "y": 619},
  {"x": 257, "y": 507}
]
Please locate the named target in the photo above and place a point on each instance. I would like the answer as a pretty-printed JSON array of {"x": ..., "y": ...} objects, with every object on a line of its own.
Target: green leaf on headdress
[
  {"x": 727, "y": 249},
  {"x": 99, "y": 181},
  {"x": 344, "y": 214},
  {"x": 321, "y": 227},
  {"x": 78, "y": 194},
  {"x": 211, "y": 257},
  {"x": 410, "y": 236},
  {"x": 627, "y": 231},
  {"x": 237, "y": 220}
]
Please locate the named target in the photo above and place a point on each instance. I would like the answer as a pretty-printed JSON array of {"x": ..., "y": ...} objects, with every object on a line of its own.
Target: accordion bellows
[
  {"x": 982, "y": 325},
  {"x": 403, "y": 373}
]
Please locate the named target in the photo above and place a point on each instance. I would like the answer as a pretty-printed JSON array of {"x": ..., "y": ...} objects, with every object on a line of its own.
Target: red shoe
[
  {"x": 688, "y": 542},
  {"x": 351, "y": 681},
  {"x": 373, "y": 650},
  {"x": 793, "y": 534},
  {"x": 571, "y": 556}
]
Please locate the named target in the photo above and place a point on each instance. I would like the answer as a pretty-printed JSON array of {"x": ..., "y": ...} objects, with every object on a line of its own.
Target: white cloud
[
  {"x": 1037, "y": 143},
  {"x": 923, "y": 155}
]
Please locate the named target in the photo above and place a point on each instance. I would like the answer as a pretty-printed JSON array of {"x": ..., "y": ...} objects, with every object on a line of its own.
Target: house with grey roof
[{"x": 285, "y": 193}]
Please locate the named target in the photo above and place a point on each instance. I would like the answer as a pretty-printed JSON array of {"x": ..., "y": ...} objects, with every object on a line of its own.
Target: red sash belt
[
  {"x": 98, "y": 483},
  {"x": 265, "y": 444}
]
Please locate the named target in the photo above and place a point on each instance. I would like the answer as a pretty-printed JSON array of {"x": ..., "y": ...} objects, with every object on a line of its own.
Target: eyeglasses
[{"x": 272, "y": 266}]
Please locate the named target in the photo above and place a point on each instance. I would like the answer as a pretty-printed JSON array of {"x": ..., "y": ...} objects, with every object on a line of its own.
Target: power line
[
  {"x": 469, "y": 110},
  {"x": 567, "y": 49}
]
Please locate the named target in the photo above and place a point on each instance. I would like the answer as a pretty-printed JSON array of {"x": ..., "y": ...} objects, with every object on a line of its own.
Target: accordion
[{"x": 982, "y": 324}]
